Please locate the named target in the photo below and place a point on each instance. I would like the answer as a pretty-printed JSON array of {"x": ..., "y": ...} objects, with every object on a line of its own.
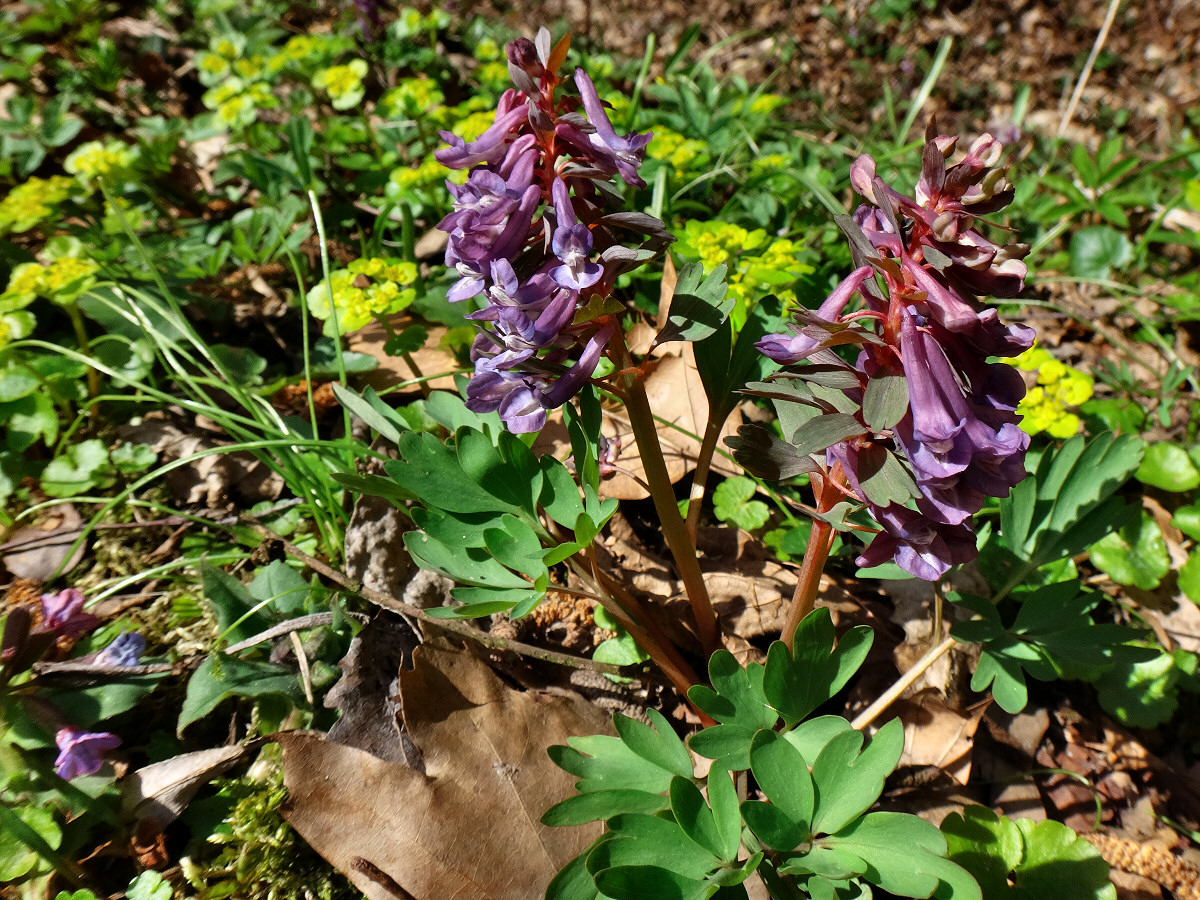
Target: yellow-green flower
[
  {"x": 33, "y": 202},
  {"x": 411, "y": 98},
  {"x": 487, "y": 50},
  {"x": 681, "y": 153},
  {"x": 15, "y": 325},
  {"x": 97, "y": 161},
  {"x": 61, "y": 281},
  {"x": 365, "y": 290},
  {"x": 343, "y": 84},
  {"x": 211, "y": 67},
  {"x": 228, "y": 46},
  {"x": 470, "y": 128},
  {"x": 429, "y": 174},
  {"x": 1058, "y": 387}
]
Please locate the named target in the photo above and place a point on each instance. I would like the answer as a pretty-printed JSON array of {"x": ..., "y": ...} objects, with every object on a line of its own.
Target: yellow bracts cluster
[
  {"x": 1058, "y": 388},
  {"x": 32, "y": 202},
  {"x": 366, "y": 289}
]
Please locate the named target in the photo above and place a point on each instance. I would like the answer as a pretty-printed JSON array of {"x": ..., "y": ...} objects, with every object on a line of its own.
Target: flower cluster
[
  {"x": 756, "y": 265},
  {"x": 343, "y": 83},
  {"x": 62, "y": 281},
  {"x": 33, "y": 202},
  {"x": 921, "y": 389},
  {"x": 235, "y": 102},
  {"x": 365, "y": 290},
  {"x": 1059, "y": 386},
  {"x": 682, "y": 154},
  {"x": 531, "y": 232},
  {"x": 98, "y": 161}
]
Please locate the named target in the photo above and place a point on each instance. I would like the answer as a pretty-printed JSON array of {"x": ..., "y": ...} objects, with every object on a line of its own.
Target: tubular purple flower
[
  {"x": 920, "y": 546},
  {"x": 81, "y": 752},
  {"x": 572, "y": 244},
  {"x": 63, "y": 613},
  {"x": 788, "y": 349},
  {"x": 491, "y": 146},
  {"x": 609, "y": 152}
]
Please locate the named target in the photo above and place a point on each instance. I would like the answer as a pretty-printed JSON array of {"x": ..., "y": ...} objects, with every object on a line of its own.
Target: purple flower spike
[
  {"x": 609, "y": 151},
  {"x": 63, "y": 613},
  {"x": 81, "y": 752},
  {"x": 125, "y": 650}
]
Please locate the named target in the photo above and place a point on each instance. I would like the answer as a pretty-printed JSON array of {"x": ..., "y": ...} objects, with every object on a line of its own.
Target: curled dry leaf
[
  {"x": 158, "y": 793},
  {"x": 367, "y": 693},
  {"x": 38, "y": 552},
  {"x": 468, "y": 826}
]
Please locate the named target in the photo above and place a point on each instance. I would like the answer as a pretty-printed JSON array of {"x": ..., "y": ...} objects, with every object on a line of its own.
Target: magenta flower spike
[{"x": 954, "y": 440}]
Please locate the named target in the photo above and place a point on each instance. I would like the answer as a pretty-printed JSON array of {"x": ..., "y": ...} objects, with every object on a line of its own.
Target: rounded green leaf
[
  {"x": 1187, "y": 520},
  {"x": 1189, "y": 578},
  {"x": 1096, "y": 251},
  {"x": 1168, "y": 466},
  {"x": 1137, "y": 554},
  {"x": 17, "y": 858}
]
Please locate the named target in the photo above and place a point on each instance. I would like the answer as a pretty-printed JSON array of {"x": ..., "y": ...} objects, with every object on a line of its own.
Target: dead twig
[{"x": 455, "y": 626}]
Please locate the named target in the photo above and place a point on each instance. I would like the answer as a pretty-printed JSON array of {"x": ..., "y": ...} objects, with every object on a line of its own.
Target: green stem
[
  {"x": 85, "y": 347},
  {"x": 674, "y": 529},
  {"x": 708, "y": 446}
]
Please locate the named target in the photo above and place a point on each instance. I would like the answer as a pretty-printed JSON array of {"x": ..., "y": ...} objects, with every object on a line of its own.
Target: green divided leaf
[
  {"x": 797, "y": 683},
  {"x": 905, "y": 855},
  {"x": 610, "y": 763},
  {"x": 782, "y": 774},
  {"x": 698, "y": 307},
  {"x": 737, "y": 702},
  {"x": 848, "y": 781},
  {"x": 1052, "y": 636},
  {"x": 1067, "y": 504},
  {"x": 723, "y": 371}
]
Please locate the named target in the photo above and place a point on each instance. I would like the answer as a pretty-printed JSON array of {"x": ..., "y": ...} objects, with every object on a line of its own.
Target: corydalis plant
[
  {"x": 535, "y": 231},
  {"x": 920, "y": 429}
]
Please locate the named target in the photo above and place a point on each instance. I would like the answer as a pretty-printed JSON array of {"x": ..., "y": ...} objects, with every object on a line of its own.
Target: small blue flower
[{"x": 125, "y": 650}]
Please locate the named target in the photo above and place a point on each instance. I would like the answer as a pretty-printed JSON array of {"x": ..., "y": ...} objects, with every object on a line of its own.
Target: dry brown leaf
[
  {"x": 937, "y": 735},
  {"x": 466, "y": 827},
  {"x": 367, "y": 691},
  {"x": 37, "y": 552},
  {"x": 430, "y": 359},
  {"x": 158, "y": 793}
]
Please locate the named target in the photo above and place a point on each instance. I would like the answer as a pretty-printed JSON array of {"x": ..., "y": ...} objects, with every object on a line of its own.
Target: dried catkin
[{"x": 1149, "y": 861}]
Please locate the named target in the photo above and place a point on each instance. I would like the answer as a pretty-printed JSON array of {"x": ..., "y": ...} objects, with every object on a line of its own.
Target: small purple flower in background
[
  {"x": 368, "y": 17},
  {"x": 528, "y": 235},
  {"x": 63, "y": 613},
  {"x": 125, "y": 650},
  {"x": 957, "y": 434},
  {"x": 82, "y": 752}
]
